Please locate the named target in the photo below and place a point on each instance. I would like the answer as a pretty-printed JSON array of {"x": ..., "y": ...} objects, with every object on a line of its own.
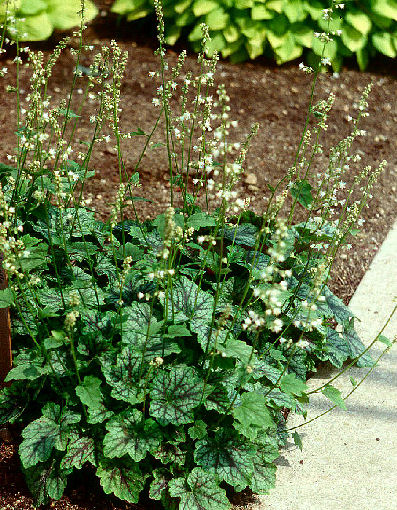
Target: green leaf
[
  {"x": 359, "y": 20},
  {"x": 122, "y": 375},
  {"x": 198, "y": 430},
  {"x": 297, "y": 440},
  {"x": 383, "y": 42},
  {"x": 69, "y": 114},
  {"x": 356, "y": 346},
  {"x": 46, "y": 481},
  {"x": 39, "y": 439},
  {"x": 195, "y": 304},
  {"x": 65, "y": 15},
  {"x": 199, "y": 491},
  {"x": 177, "y": 330},
  {"x": 259, "y": 12},
  {"x": 174, "y": 395},
  {"x": 200, "y": 220},
  {"x": 6, "y": 298},
  {"x": 340, "y": 311},
  {"x": 79, "y": 451},
  {"x": 130, "y": 434},
  {"x": 301, "y": 191},
  {"x": 26, "y": 371},
  {"x": 34, "y": 28},
  {"x": 124, "y": 480},
  {"x": 236, "y": 349},
  {"x": 264, "y": 475},
  {"x": 253, "y": 411},
  {"x": 89, "y": 391},
  {"x": 334, "y": 395},
  {"x": 243, "y": 234},
  {"x": 201, "y": 7},
  {"x": 159, "y": 483},
  {"x": 31, "y": 7},
  {"x": 384, "y": 340},
  {"x": 386, "y": 8},
  {"x": 291, "y": 384},
  {"x": 227, "y": 457},
  {"x": 13, "y": 402},
  {"x": 353, "y": 39}
]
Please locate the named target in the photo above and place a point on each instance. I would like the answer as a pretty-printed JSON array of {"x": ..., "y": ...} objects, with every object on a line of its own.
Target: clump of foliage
[
  {"x": 35, "y": 20},
  {"x": 280, "y": 29},
  {"x": 162, "y": 355}
]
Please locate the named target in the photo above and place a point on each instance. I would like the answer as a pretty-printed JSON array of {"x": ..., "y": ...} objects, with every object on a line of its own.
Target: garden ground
[{"x": 275, "y": 97}]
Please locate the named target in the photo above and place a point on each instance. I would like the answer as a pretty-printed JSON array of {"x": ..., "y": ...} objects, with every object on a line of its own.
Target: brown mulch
[{"x": 277, "y": 98}]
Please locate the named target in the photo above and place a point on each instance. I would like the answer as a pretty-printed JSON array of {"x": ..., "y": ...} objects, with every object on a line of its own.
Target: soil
[{"x": 277, "y": 98}]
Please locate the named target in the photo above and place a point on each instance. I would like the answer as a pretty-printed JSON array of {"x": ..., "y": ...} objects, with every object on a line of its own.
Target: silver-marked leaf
[
  {"x": 39, "y": 439},
  {"x": 196, "y": 304},
  {"x": 13, "y": 402},
  {"x": 199, "y": 492},
  {"x": 198, "y": 430},
  {"x": 340, "y": 311},
  {"x": 243, "y": 234},
  {"x": 131, "y": 434},
  {"x": 356, "y": 346},
  {"x": 169, "y": 453},
  {"x": 228, "y": 458},
  {"x": 46, "y": 481},
  {"x": 98, "y": 415},
  {"x": 264, "y": 477},
  {"x": 159, "y": 484},
  {"x": 79, "y": 451},
  {"x": 124, "y": 480},
  {"x": 122, "y": 375},
  {"x": 174, "y": 395},
  {"x": 337, "y": 350}
]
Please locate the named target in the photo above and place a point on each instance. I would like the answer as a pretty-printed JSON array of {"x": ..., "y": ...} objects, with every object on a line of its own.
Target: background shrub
[
  {"x": 35, "y": 20},
  {"x": 280, "y": 29}
]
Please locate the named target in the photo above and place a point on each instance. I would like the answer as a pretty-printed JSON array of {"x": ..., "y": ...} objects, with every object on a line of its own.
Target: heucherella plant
[{"x": 163, "y": 355}]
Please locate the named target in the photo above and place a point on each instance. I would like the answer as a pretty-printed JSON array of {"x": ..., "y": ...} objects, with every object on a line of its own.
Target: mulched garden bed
[{"x": 275, "y": 97}]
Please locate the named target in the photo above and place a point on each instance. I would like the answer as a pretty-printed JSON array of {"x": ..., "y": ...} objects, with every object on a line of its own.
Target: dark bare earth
[{"x": 275, "y": 97}]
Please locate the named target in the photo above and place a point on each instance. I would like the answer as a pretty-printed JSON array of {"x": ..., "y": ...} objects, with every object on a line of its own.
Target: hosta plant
[
  {"x": 35, "y": 20},
  {"x": 280, "y": 29},
  {"x": 163, "y": 355}
]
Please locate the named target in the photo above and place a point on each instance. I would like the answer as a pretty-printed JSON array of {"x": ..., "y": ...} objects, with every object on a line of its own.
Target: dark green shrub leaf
[
  {"x": 124, "y": 480},
  {"x": 198, "y": 492},
  {"x": 130, "y": 434},
  {"x": 356, "y": 346},
  {"x": 174, "y": 395}
]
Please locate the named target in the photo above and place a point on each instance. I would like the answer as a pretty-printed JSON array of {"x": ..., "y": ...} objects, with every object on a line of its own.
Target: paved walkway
[{"x": 349, "y": 458}]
